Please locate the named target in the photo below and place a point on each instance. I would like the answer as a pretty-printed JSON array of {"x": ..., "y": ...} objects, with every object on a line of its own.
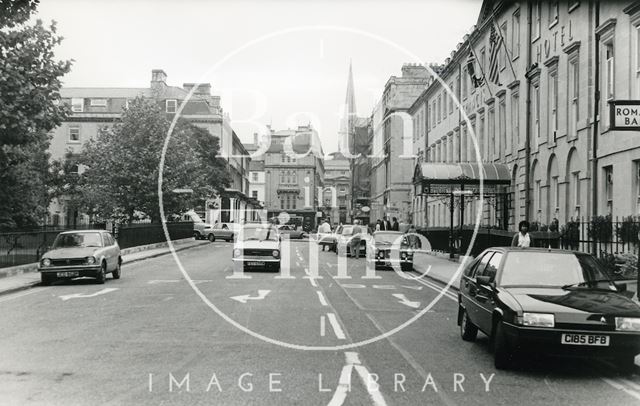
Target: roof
[
  {"x": 536, "y": 249},
  {"x": 104, "y": 92},
  {"x": 464, "y": 172}
]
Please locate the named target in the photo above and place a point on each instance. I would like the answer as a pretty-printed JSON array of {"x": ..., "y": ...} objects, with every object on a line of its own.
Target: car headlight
[
  {"x": 46, "y": 262},
  {"x": 538, "y": 320},
  {"x": 403, "y": 255},
  {"x": 275, "y": 253},
  {"x": 237, "y": 252},
  {"x": 90, "y": 260},
  {"x": 628, "y": 323}
]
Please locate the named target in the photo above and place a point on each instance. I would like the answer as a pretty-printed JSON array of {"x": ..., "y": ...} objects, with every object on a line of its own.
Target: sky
[{"x": 281, "y": 62}]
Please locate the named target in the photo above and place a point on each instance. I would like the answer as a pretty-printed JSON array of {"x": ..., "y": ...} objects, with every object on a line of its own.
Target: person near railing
[{"x": 522, "y": 237}]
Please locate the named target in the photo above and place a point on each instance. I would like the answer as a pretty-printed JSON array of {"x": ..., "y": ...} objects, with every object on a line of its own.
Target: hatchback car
[
  {"x": 257, "y": 246},
  {"x": 221, "y": 231},
  {"x": 292, "y": 231},
  {"x": 550, "y": 302},
  {"x": 389, "y": 248},
  {"x": 92, "y": 253}
]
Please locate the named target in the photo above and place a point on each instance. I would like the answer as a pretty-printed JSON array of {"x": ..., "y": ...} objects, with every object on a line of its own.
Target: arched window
[{"x": 553, "y": 195}]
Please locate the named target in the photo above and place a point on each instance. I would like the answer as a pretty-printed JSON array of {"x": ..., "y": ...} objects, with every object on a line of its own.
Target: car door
[
  {"x": 107, "y": 248},
  {"x": 485, "y": 297},
  {"x": 470, "y": 287}
]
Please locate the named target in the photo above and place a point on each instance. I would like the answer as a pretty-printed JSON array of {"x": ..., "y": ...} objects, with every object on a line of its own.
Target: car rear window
[{"x": 549, "y": 269}]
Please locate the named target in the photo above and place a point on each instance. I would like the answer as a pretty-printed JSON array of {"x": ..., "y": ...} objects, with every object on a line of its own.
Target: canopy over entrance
[{"x": 463, "y": 173}]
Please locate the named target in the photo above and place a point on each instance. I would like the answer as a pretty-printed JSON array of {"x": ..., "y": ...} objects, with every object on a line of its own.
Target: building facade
[
  {"x": 392, "y": 162},
  {"x": 94, "y": 108},
  {"x": 542, "y": 116},
  {"x": 294, "y": 180},
  {"x": 337, "y": 190},
  {"x": 257, "y": 181}
]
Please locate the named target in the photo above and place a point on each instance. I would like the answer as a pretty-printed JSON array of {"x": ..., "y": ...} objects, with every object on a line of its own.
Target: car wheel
[
  {"x": 211, "y": 237},
  {"x": 468, "y": 330},
  {"x": 117, "y": 272},
  {"x": 501, "y": 352},
  {"x": 196, "y": 235},
  {"x": 46, "y": 280},
  {"x": 406, "y": 267},
  {"x": 101, "y": 275},
  {"x": 625, "y": 363},
  {"x": 230, "y": 238}
]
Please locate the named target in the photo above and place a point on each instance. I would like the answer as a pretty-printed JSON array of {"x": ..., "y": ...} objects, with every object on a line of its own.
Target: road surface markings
[
  {"x": 329, "y": 265},
  {"x": 83, "y": 296},
  {"x": 619, "y": 385},
  {"x": 157, "y": 281},
  {"x": 437, "y": 288},
  {"x": 413, "y": 287},
  {"x": 313, "y": 282},
  {"x": 344, "y": 383},
  {"x": 323, "y": 301},
  {"x": 333, "y": 320},
  {"x": 21, "y": 294},
  {"x": 403, "y": 300},
  {"x": 322, "y": 326},
  {"x": 244, "y": 298}
]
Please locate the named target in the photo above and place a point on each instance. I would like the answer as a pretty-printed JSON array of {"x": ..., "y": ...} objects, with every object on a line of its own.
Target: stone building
[
  {"x": 564, "y": 159},
  {"x": 293, "y": 179},
  {"x": 93, "y": 108},
  {"x": 391, "y": 160},
  {"x": 336, "y": 196}
]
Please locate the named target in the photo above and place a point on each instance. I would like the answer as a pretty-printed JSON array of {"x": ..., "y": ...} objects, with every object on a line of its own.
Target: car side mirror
[
  {"x": 483, "y": 280},
  {"x": 621, "y": 287}
]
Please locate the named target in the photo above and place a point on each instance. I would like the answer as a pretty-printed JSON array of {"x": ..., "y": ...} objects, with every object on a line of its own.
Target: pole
[
  {"x": 527, "y": 155},
  {"x": 596, "y": 105},
  {"x": 451, "y": 209}
]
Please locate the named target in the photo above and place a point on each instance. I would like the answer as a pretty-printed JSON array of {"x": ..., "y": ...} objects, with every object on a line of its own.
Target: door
[
  {"x": 109, "y": 251},
  {"x": 485, "y": 296},
  {"x": 470, "y": 288}
]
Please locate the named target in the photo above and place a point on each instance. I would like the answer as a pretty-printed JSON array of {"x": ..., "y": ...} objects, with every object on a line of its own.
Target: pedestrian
[
  {"x": 522, "y": 238},
  {"x": 355, "y": 239},
  {"x": 395, "y": 226},
  {"x": 378, "y": 225},
  {"x": 412, "y": 239},
  {"x": 386, "y": 223},
  {"x": 325, "y": 228}
]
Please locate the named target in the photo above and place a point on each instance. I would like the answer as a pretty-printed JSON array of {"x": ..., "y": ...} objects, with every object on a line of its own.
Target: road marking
[
  {"x": 403, "y": 299},
  {"x": 83, "y": 296},
  {"x": 386, "y": 287},
  {"x": 21, "y": 294},
  {"x": 297, "y": 264},
  {"x": 620, "y": 386},
  {"x": 344, "y": 383},
  {"x": 413, "y": 287},
  {"x": 244, "y": 298},
  {"x": 333, "y": 320},
  {"x": 352, "y": 286},
  {"x": 313, "y": 282},
  {"x": 437, "y": 288},
  {"x": 322, "y": 326},
  {"x": 155, "y": 281},
  {"x": 323, "y": 301},
  {"x": 329, "y": 265}
]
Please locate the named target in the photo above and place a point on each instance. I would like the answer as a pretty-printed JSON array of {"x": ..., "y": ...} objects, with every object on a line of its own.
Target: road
[{"x": 149, "y": 338}]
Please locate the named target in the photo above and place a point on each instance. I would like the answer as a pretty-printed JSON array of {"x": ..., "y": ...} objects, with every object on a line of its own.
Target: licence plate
[
  {"x": 585, "y": 339},
  {"x": 255, "y": 263},
  {"x": 67, "y": 274}
]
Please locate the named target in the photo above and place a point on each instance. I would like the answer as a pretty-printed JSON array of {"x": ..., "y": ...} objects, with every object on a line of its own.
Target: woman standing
[{"x": 522, "y": 238}]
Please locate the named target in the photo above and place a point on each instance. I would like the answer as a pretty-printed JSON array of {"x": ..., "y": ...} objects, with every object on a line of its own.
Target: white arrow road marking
[
  {"x": 344, "y": 384},
  {"x": 406, "y": 301},
  {"x": 244, "y": 298},
  {"x": 81, "y": 295},
  {"x": 333, "y": 320},
  {"x": 413, "y": 287}
]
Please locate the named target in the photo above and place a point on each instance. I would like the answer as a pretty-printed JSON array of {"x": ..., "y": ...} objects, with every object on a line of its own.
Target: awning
[{"x": 462, "y": 173}]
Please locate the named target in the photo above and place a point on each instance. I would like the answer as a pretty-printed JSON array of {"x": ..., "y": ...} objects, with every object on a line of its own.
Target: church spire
[{"x": 348, "y": 119}]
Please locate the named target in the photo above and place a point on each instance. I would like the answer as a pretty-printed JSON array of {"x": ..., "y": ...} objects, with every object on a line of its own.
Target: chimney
[
  {"x": 158, "y": 80},
  {"x": 414, "y": 70}
]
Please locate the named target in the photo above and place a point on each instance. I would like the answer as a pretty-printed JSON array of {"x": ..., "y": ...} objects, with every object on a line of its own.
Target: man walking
[{"x": 395, "y": 226}]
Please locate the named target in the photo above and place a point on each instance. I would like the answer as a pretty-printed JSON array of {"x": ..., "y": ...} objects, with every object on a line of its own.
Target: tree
[
  {"x": 121, "y": 167},
  {"x": 29, "y": 88}
]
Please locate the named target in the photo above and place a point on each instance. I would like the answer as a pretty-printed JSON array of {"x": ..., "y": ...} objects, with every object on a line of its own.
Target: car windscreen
[
  {"x": 259, "y": 234},
  {"x": 389, "y": 238},
  {"x": 550, "y": 269},
  {"x": 71, "y": 240},
  {"x": 347, "y": 231}
]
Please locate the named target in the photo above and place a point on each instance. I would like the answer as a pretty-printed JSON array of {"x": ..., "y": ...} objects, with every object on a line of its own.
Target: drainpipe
[
  {"x": 596, "y": 105},
  {"x": 527, "y": 155}
]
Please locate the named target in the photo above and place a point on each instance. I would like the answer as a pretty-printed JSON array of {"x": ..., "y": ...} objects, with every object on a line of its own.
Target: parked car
[
  {"x": 221, "y": 231},
  {"x": 343, "y": 240},
  {"x": 329, "y": 239},
  {"x": 388, "y": 248},
  {"x": 292, "y": 231},
  {"x": 257, "y": 246},
  {"x": 92, "y": 253},
  {"x": 545, "y": 301}
]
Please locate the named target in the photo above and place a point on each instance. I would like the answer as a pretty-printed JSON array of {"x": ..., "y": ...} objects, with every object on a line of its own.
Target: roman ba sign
[{"x": 624, "y": 115}]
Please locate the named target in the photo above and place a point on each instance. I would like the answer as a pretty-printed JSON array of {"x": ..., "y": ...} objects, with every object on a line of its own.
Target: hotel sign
[{"x": 624, "y": 115}]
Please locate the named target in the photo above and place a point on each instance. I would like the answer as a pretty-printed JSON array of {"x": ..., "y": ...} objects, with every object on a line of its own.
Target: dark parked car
[
  {"x": 92, "y": 253},
  {"x": 552, "y": 302}
]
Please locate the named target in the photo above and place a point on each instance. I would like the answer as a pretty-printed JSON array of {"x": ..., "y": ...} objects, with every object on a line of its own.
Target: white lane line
[
  {"x": 322, "y": 326},
  {"x": 437, "y": 288},
  {"x": 617, "y": 385},
  {"x": 344, "y": 384},
  {"x": 313, "y": 282},
  {"x": 323, "y": 301},
  {"x": 329, "y": 265},
  {"x": 333, "y": 320},
  {"x": 21, "y": 294}
]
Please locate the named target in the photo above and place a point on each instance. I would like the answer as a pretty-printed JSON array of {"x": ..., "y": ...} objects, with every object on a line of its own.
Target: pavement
[
  {"x": 26, "y": 276},
  {"x": 309, "y": 335}
]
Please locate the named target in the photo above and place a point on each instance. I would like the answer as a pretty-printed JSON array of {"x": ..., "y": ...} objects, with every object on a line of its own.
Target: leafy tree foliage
[
  {"x": 29, "y": 87},
  {"x": 119, "y": 172}
]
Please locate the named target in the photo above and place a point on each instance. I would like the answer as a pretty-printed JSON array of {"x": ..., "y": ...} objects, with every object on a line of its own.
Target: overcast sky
[{"x": 284, "y": 79}]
